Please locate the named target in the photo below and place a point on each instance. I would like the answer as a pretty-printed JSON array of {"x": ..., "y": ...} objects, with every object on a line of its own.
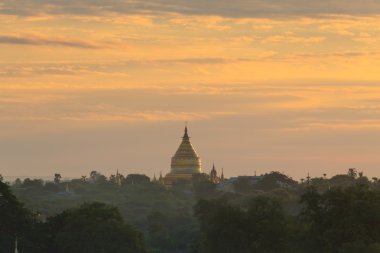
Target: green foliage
[
  {"x": 342, "y": 180},
  {"x": 57, "y": 178},
  {"x": 361, "y": 247},
  {"x": 262, "y": 227},
  {"x": 97, "y": 177},
  {"x": 202, "y": 186},
  {"x": 275, "y": 180},
  {"x": 243, "y": 185},
  {"x": 15, "y": 220},
  {"x": 342, "y": 218},
  {"x": 93, "y": 228},
  {"x": 267, "y": 182},
  {"x": 136, "y": 179},
  {"x": 174, "y": 233},
  {"x": 32, "y": 183},
  {"x": 135, "y": 202},
  {"x": 158, "y": 236},
  {"x": 328, "y": 219}
]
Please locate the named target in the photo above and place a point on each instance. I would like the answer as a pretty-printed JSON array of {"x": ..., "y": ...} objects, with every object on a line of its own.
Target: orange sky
[{"x": 287, "y": 85}]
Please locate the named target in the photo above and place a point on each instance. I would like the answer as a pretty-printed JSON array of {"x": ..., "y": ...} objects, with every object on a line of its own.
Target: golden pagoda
[{"x": 185, "y": 162}]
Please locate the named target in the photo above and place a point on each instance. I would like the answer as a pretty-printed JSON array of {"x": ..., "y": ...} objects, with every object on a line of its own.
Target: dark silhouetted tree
[
  {"x": 95, "y": 228},
  {"x": 15, "y": 220},
  {"x": 262, "y": 227},
  {"x": 57, "y": 178},
  {"x": 341, "y": 217},
  {"x": 136, "y": 179}
]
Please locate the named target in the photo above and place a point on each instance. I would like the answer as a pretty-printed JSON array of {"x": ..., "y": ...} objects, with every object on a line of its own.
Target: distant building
[
  {"x": 228, "y": 185},
  {"x": 185, "y": 162},
  {"x": 118, "y": 178}
]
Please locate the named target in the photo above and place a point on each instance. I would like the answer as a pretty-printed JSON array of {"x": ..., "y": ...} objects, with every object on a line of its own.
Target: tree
[
  {"x": 57, "y": 178},
  {"x": 262, "y": 227},
  {"x": 33, "y": 183},
  {"x": 267, "y": 226},
  {"x": 202, "y": 185},
  {"x": 352, "y": 172},
  {"x": 97, "y": 177},
  {"x": 158, "y": 234},
  {"x": 95, "y": 228},
  {"x": 361, "y": 247},
  {"x": 52, "y": 187},
  {"x": 223, "y": 227},
  {"x": 341, "y": 216},
  {"x": 15, "y": 220},
  {"x": 242, "y": 185},
  {"x": 342, "y": 180},
  {"x": 275, "y": 180},
  {"x": 18, "y": 182},
  {"x": 137, "y": 179}
]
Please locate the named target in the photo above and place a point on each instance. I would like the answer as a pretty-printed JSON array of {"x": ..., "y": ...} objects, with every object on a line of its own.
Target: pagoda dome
[{"x": 186, "y": 159}]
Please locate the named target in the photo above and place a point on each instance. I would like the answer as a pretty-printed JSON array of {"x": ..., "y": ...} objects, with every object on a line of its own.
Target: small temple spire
[
  {"x": 118, "y": 178},
  {"x": 161, "y": 179},
  {"x": 308, "y": 178},
  {"x": 222, "y": 176},
  {"x": 213, "y": 174}
]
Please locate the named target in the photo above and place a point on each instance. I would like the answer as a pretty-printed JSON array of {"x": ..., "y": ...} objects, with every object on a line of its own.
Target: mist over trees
[{"x": 265, "y": 214}]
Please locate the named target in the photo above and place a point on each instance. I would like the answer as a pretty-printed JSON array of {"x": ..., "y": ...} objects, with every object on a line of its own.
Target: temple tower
[
  {"x": 185, "y": 162},
  {"x": 186, "y": 159}
]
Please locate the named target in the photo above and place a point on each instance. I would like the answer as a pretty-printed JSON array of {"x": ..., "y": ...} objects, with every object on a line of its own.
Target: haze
[{"x": 291, "y": 86}]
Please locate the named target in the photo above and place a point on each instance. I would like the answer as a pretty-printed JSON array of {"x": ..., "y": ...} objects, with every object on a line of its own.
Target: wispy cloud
[
  {"x": 44, "y": 41},
  {"x": 239, "y": 8},
  {"x": 293, "y": 39}
]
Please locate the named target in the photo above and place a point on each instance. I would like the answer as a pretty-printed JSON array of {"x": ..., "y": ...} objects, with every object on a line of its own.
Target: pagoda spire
[
  {"x": 118, "y": 178},
  {"x": 213, "y": 174},
  {"x": 161, "y": 179},
  {"x": 185, "y": 136}
]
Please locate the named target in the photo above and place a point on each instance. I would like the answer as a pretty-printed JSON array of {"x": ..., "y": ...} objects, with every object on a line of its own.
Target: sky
[{"x": 265, "y": 85}]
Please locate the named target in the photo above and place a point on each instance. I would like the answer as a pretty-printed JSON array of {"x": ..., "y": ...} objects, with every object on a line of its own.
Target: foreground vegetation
[{"x": 275, "y": 214}]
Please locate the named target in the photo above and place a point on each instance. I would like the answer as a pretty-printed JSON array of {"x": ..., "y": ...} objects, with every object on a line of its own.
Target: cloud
[
  {"x": 44, "y": 41},
  {"x": 293, "y": 39},
  {"x": 70, "y": 69},
  {"x": 239, "y": 8}
]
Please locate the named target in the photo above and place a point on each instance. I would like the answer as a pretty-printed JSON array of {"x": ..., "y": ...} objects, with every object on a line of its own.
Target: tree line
[{"x": 340, "y": 214}]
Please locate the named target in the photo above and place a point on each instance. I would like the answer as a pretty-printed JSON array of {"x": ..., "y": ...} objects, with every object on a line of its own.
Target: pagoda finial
[{"x": 186, "y": 135}]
